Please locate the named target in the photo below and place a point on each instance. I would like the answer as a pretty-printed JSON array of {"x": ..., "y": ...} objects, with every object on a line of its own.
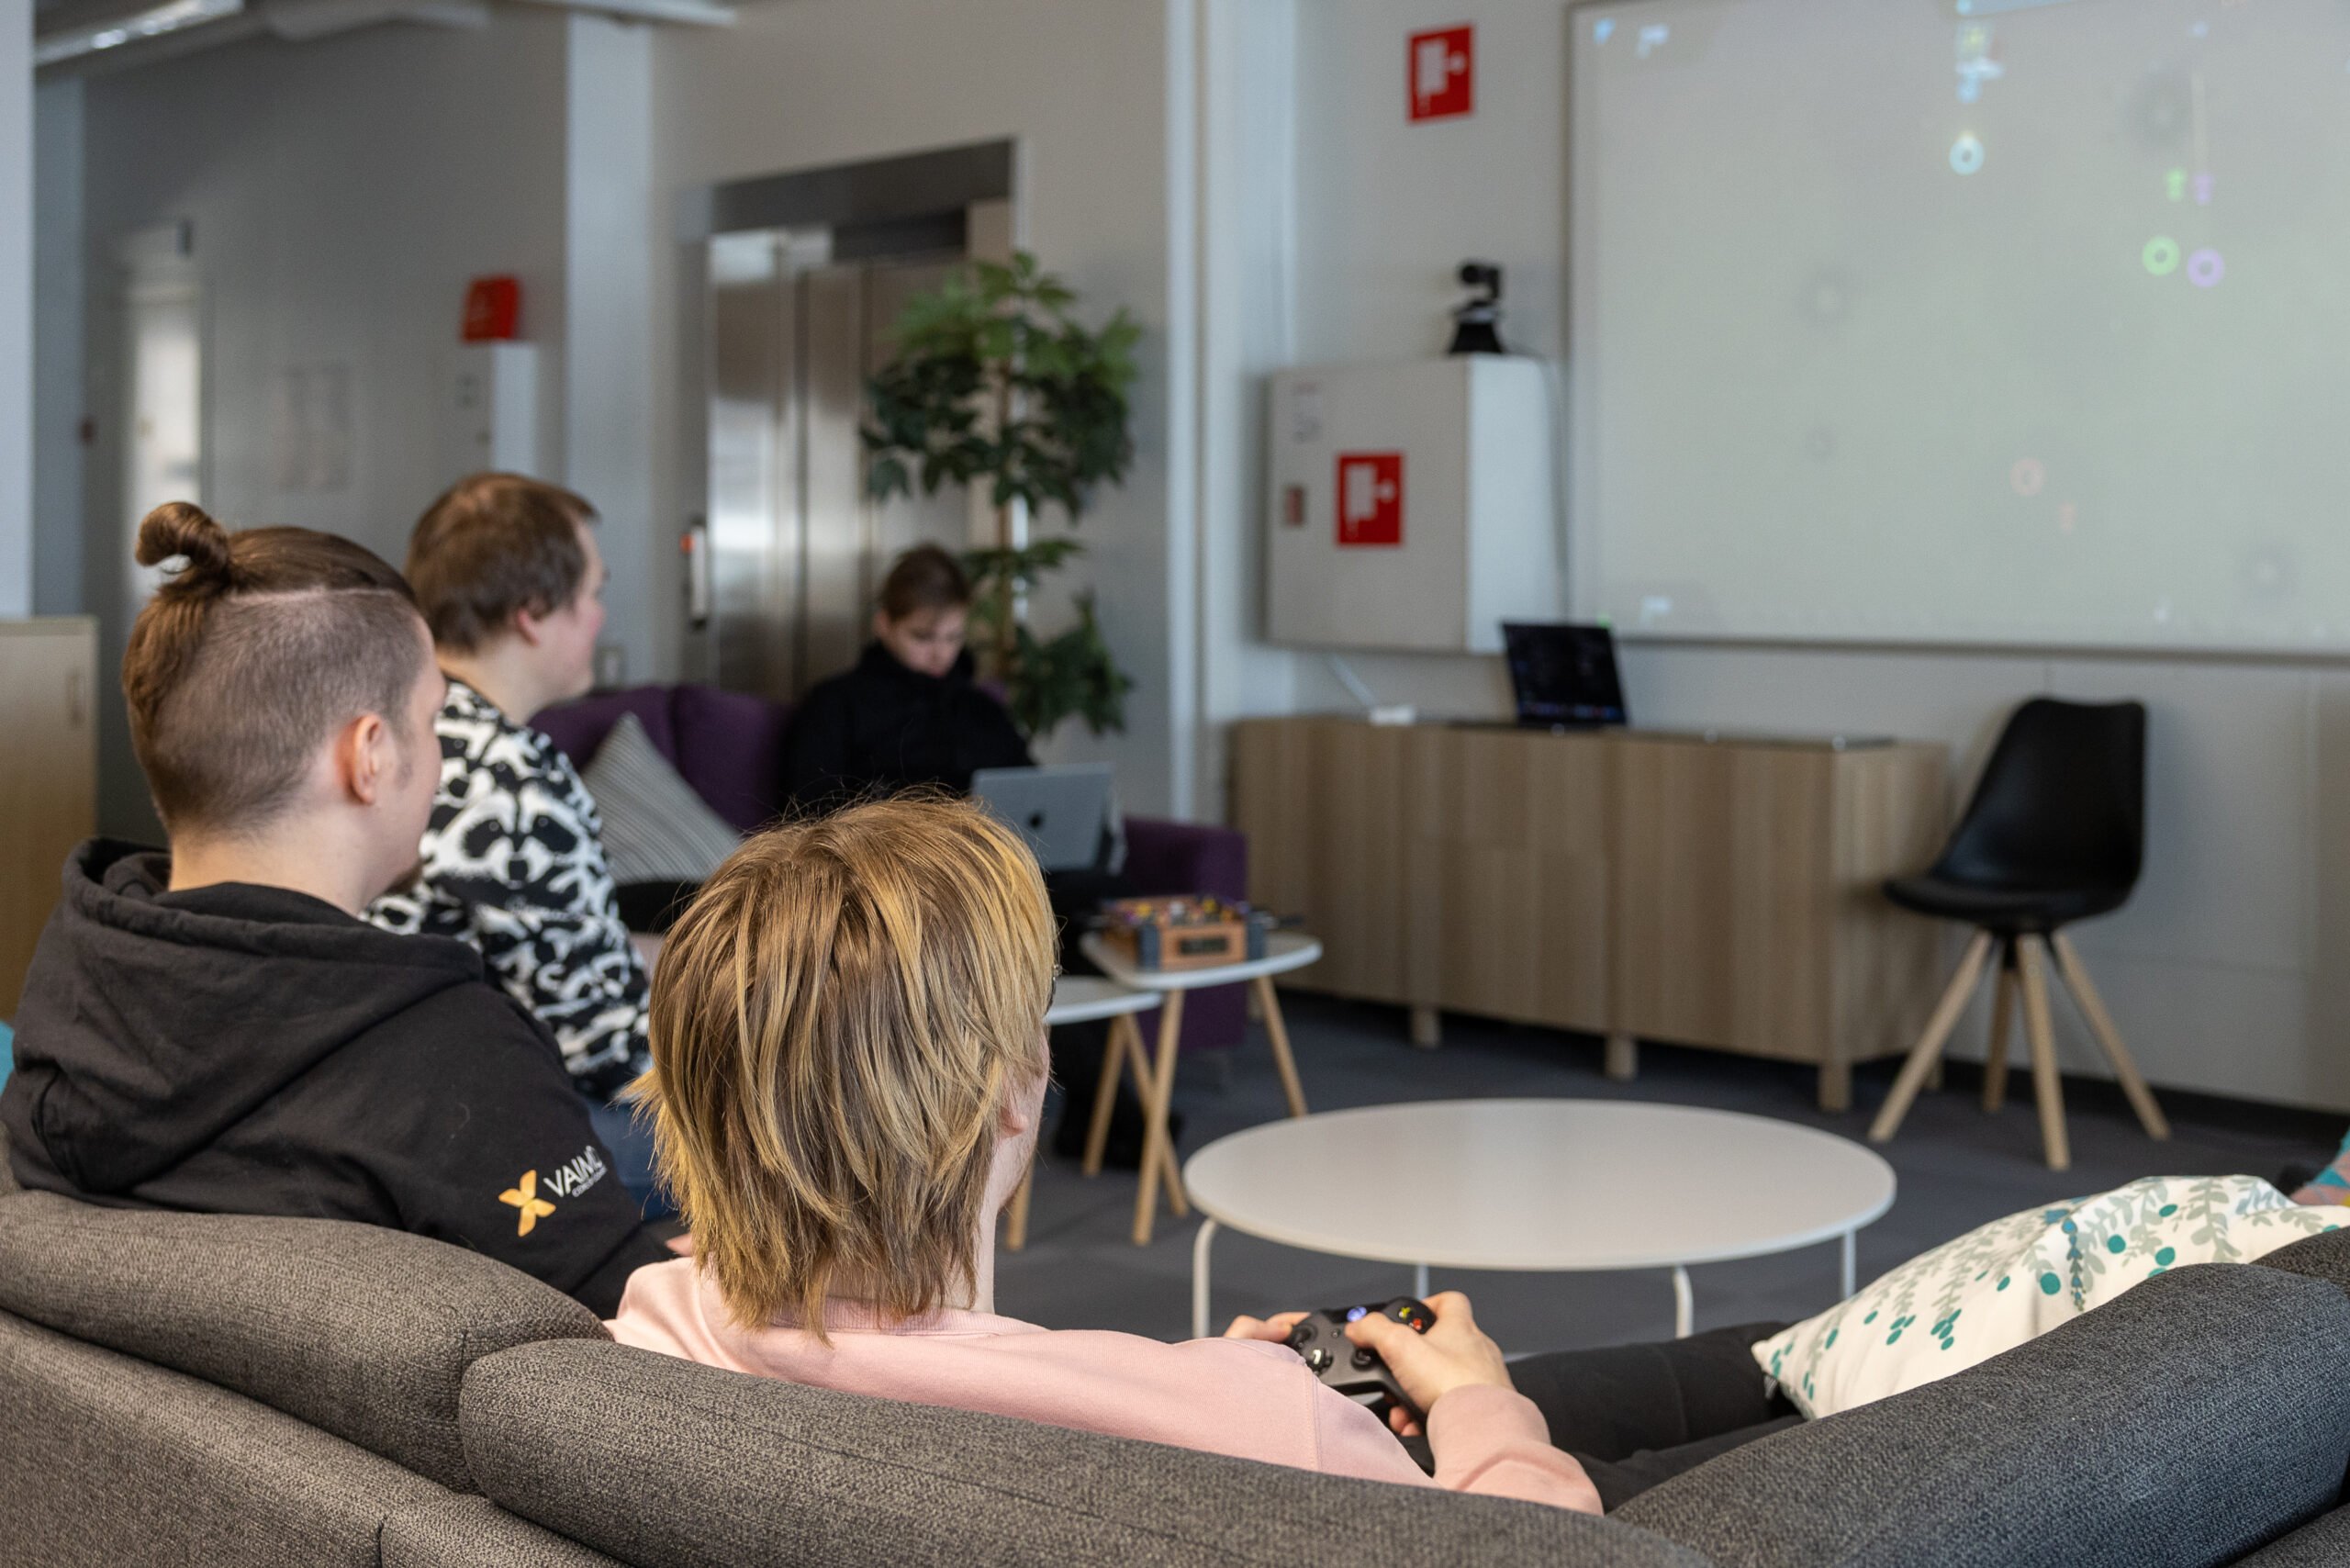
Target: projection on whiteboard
[{"x": 1963, "y": 320}]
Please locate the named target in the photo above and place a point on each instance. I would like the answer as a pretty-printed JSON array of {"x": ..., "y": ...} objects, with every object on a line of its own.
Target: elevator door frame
[{"x": 793, "y": 550}]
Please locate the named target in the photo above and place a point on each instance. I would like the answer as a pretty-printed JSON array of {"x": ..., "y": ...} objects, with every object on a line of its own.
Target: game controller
[{"x": 1358, "y": 1372}]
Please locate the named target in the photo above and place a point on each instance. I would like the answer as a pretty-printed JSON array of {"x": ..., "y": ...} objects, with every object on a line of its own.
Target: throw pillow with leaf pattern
[{"x": 1998, "y": 1286}]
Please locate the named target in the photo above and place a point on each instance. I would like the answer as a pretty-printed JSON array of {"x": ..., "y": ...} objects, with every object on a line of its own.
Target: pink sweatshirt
[{"x": 1243, "y": 1397}]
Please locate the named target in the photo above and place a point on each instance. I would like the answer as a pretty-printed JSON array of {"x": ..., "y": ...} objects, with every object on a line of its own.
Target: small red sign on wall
[
  {"x": 1370, "y": 498},
  {"x": 493, "y": 310},
  {"x": 1439, "y": 74}
]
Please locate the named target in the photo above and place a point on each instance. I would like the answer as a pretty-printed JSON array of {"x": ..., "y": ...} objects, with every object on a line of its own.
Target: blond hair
[{"x": 838, "y": 1019}]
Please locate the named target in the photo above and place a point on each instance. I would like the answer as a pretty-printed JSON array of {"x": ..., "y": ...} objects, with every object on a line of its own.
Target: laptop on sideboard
[{"x": 1564, "y": 676}]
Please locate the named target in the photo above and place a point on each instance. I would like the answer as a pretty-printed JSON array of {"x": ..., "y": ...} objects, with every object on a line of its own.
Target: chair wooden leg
[
  {"x": 1157, "y": 1093},
  {"x": 1621, "y": 1059},
  {"x": 2076, "y": 979},
  {"x": 1105, "y": 1091},
  {"x": 2003, "y": 1017},
  {"x": 1015, "y": 1224},
  {"x": 1929, "y": 1043},
  {"x": 1138, "y": 1060},
  {"x": 2047, "y": 1088},
  {"x": 1277, "y": 1029},
  {"x": 1836, "y": 1087}
]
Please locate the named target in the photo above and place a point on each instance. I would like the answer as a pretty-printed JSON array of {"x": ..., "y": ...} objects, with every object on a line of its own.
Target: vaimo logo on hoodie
[{"x": 577, "y": 1174}]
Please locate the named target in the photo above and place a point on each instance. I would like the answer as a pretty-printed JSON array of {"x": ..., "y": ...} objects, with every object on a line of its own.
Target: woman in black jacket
[
  {"x": 909, "y": 716},
  {"x": 908, "y": 713}
]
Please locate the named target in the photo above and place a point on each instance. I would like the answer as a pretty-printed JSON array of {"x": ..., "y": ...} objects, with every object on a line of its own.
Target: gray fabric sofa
[{"x": 224, "y": 1390}]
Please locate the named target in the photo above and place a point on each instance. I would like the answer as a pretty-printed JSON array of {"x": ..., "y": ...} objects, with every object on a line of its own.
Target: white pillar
[
  {"x": 611, "y": 225},
  {"x": 16, "y": 307},
  {"x": 59, "y": 404},
  {"x": 1246, "y": 213}
]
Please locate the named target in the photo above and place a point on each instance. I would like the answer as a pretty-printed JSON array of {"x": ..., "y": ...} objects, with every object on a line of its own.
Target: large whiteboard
[{"x": 1963, "y": 320}]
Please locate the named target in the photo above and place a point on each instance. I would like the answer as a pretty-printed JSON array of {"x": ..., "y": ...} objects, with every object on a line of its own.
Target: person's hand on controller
[
  {"x": 1275, "y": 1329},
  {"x": 1453, "y": 1353}
]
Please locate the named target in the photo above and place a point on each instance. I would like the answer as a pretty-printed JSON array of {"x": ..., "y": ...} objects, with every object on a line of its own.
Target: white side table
[
  {"x": 1537, "y": 1184},
  {"x": 1284, "y": 951},
  {"x": 1086, "y": 999}
]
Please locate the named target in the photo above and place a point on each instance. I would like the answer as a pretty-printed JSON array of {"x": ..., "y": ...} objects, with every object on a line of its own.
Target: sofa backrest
[
  {"x": 2181, "y": 1426},
  {"x": 656, "y": 1460},
  {"x": 578, "y": 728},
  {"x": 730, "y": 748},
  {"x": 474, "y": 1532},
  {"x": 727, "y": 744},
  {"x": 363, "y": 1332},
  {"x": 2323, "y": 1257},
  {"x": 109, "y": 1462}
]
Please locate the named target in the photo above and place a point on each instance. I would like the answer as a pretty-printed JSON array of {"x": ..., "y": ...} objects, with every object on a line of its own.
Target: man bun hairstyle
[
  {"x": 492, "y": 545},
  {"x": 255, "y": 650},
  {"x": 925, "y": 578}
]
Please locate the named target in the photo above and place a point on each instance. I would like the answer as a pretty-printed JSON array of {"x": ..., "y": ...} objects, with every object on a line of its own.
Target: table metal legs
[
  {"x": 1850, "y": 1238},
  {"x": 1200, "y": 1277},
  {"x": 1685, "y": 1309}
]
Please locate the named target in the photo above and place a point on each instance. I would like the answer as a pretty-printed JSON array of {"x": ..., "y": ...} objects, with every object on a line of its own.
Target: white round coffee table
[
  {"x": 1284, "y": 951},
  {"x": 1536, "y": 1184}
]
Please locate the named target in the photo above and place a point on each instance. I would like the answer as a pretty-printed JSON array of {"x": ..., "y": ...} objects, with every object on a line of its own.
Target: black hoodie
[
  {"x": 881, "y": 728},
  {"x": 245, "y": 1049}
]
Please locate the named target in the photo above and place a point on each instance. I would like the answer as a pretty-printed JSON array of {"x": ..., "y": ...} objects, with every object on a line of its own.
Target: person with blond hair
[{"x": 848, "y": 1064}]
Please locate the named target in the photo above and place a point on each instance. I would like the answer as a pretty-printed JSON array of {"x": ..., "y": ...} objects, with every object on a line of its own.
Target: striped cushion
[{"x": 655, "y": 828}]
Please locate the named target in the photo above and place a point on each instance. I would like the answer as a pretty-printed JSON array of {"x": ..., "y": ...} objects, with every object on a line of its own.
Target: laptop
[
  {"x": 1059, "y": 810},
  {"x": 1564, "y": 676}
]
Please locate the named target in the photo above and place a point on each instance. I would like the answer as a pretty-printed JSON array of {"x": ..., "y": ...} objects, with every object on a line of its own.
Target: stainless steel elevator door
[{"x": 797, "y": 550}]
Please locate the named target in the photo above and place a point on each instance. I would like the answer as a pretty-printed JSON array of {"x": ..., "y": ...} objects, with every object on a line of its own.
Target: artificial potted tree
[{"x": 997, "y": 384}]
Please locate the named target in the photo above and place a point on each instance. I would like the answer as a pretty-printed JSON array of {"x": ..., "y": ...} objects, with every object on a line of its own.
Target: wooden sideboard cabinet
[
  {"x": 1716, "y": 893},
  {"x": 48, "y": 774}
]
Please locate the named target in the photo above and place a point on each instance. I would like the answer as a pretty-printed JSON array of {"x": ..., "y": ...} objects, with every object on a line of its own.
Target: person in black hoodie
[
  {"x": 215, "y": 1028},
  {"x": 909, "y": 714}
]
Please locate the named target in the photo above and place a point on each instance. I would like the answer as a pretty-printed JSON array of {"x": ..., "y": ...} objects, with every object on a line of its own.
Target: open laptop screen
[{"x": 1565, "y": 675}]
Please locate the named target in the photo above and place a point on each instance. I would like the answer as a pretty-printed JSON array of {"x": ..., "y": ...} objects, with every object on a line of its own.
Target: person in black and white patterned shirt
[{"x": 508, "y": 575}]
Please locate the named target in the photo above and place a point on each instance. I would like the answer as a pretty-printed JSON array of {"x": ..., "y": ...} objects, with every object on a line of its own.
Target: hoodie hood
[{"x": 152, "y": 1020}]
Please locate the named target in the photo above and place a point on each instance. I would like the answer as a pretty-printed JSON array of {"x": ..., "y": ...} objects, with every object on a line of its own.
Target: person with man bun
[{"x": 213, "y": 1027}]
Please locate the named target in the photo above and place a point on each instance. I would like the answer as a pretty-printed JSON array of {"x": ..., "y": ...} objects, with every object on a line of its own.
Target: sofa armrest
[
  {"x": 1168, "y": 856},
  {"x": 2183, "y": 1425}
]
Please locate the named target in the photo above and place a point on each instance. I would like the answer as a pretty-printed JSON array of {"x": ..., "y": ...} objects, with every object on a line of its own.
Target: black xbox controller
[{"x": 1353, "y": 1370}]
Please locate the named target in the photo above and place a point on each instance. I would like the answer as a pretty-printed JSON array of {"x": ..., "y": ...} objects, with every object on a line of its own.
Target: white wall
[
  {"x": 2226, "y": 971},
  {"x": 1247, "y": 171},
  {"x": 610, "y": 214},
  {"x": 343, "y": 194},
  {"x": 58, "y": 396},
  {"x": 1082, "y": 85},
  {"x": 16, "y": 307}
]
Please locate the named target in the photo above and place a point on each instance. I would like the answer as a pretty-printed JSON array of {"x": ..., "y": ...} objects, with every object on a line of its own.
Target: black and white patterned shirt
[{"x": 514, "y": 865}]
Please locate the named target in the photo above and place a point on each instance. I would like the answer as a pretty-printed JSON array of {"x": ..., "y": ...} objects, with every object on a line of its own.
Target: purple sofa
[{"x": 729, "y": 746}]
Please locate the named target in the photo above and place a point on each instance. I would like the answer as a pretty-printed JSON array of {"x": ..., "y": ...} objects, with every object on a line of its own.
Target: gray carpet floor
[{"x": 1957, "y": 1167}]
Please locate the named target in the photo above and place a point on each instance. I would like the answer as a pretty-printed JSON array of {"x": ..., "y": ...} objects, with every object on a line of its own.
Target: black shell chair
[{"x": 2056, "y": 832}]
